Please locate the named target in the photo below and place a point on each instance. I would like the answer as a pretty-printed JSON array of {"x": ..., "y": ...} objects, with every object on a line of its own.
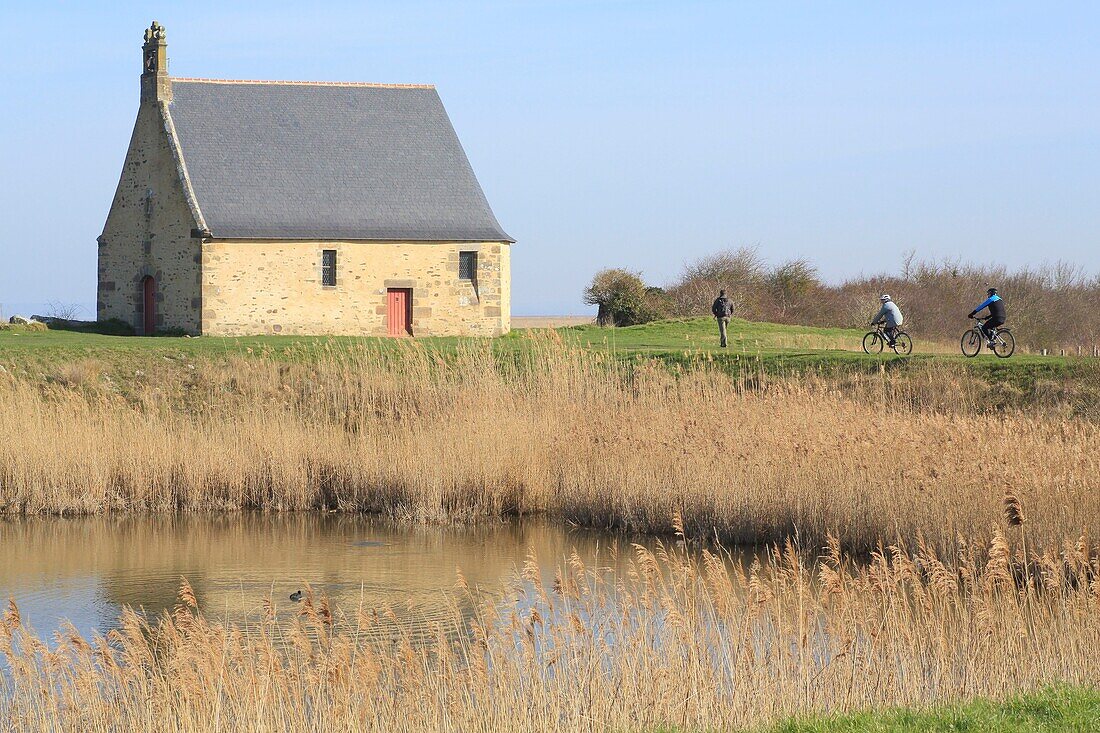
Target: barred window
[
  {"x": 467, "y": 265},
  {"x": 328, "y": 268}
]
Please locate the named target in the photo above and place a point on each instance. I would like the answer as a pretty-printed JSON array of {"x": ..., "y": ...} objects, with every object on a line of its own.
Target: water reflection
[{"x": 85, "y": 569}]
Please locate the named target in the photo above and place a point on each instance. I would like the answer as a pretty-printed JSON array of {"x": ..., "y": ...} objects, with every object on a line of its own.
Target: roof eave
[
  {"x": 214, "y": 236},
  {"x": 181, "y": 165}
]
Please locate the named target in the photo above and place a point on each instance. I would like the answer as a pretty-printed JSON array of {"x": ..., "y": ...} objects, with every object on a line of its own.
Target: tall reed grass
[
  {"x": 671, "y": 641},
  {"x": 554, "y": 429}
]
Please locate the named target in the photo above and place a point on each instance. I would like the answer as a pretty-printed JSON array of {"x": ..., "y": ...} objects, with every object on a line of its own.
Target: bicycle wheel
[
  {"x": 1004, "y": 344},
  {"x": 903, "y": 344},
  {"x": 971, "y": 343},
  {"x": 873, "y": 342}
]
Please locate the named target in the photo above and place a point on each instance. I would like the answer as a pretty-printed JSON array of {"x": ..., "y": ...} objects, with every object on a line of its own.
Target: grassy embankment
[
  {"x": 590, "y": 433},
  {"x": 755, "y": 348}
]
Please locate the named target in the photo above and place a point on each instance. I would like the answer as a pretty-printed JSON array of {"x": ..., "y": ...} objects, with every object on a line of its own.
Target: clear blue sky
[{"x": 636, "y": 134}]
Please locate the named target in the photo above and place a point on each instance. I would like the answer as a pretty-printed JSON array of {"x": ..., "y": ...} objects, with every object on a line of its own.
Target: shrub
[
  {"x": 658, "y": 304},
  {"x": 623, "y": 298},
  {"x": 112, "y": 327},
  {"x": 171, "y": 332},
  {"x": 739, "y": 272},
  {"x": 109, "y": 327},
  {"x": 790, "y": 284}
]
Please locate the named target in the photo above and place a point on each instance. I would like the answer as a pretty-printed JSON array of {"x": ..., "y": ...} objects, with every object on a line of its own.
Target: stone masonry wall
[
  {"x": 150, "y": 235},
  {"x": 261, "y": 287}
]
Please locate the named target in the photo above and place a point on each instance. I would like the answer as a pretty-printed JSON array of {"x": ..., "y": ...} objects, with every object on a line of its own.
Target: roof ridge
[{"x": 305, "y": 83}]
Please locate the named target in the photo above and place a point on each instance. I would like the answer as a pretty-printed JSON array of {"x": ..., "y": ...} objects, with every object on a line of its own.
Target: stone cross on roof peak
[{"x": 155, "y": 32}]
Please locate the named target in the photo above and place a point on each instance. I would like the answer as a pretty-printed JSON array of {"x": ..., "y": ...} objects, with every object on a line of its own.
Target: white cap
[{"x": 884, "y": 298}]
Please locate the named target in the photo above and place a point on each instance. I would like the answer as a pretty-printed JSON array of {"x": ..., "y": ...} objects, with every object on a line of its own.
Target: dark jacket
[
  {"x": 996, "y": 308},
  {"x": 722, "y": 308}
]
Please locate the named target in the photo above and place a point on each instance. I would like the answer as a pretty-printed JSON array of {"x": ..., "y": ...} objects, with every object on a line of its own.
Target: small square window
[
  {"x": 467, "y": 265},
  {"x": 328, "y": 268}
]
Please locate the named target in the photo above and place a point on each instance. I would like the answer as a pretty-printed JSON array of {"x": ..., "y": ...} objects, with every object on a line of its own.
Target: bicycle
[
  {"x": 1003, "y": 344},
  {"x": 875, "y": 341}
]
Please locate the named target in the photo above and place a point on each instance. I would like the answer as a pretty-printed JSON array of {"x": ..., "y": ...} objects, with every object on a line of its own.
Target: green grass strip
[{"x": 1055, "y": 709}]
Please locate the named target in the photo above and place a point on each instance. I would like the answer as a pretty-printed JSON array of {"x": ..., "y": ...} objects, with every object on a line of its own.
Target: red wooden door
[
  {"x": 399, "y": 311},
  {"x": 149, "y": 298}
]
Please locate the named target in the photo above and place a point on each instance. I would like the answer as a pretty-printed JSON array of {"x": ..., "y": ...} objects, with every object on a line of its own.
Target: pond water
[{"x": 86, "y": 569}]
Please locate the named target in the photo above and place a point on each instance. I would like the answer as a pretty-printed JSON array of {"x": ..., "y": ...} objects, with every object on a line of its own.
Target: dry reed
[
  {"x": 575, "y": 434},
  {"x": 691, "y": 642}
]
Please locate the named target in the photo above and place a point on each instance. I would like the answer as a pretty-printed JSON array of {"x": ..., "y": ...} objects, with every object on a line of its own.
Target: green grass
[
  {"x": 702, "y": 334},
  {"x": 16, "y": 341},
  {"x": 754, "y": 347},
  {"x": 696, "y": 335},
  {"x": 1059, "y": 709},
  {"x": 785, "y": 350},
  {"x": 1048, "y": 711}
]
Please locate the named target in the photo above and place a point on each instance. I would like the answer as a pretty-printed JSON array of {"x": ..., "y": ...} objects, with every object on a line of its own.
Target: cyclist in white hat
[{"x": 891, "y": 314}]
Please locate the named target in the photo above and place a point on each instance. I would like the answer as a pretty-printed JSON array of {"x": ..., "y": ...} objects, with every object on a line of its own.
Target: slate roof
[{"x": 327, "y": 161}]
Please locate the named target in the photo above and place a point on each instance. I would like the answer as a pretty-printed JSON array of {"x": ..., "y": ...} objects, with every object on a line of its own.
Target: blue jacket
[{"x": 996, "y": 308}]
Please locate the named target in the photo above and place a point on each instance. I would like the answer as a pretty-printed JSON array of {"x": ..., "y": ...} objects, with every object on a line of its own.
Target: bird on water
[{"x": 297, "y": 595}]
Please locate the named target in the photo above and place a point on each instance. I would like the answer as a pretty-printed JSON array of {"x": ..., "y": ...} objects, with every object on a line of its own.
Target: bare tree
[
  {"x": 63, "y": 311},
  {"x": 739, "y": 272}
]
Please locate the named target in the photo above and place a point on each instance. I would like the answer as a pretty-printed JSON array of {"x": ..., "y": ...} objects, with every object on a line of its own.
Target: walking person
[
  {"x": 722, "y": 310},
  {"x": 891, "y": 315}
]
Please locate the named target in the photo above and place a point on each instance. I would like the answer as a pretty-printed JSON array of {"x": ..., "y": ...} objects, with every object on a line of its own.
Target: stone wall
[
  {"x": 148, "y": 233},
  {"x": 257, "y": 287}
]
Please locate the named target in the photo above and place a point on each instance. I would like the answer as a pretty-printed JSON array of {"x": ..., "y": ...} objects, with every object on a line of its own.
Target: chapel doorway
[
  {"x": 399, "y": 311},
  {"x": 149, "y": 305}
]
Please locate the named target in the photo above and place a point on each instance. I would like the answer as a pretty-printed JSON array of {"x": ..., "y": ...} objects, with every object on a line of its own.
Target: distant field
[{"x": 550, "y": 321}]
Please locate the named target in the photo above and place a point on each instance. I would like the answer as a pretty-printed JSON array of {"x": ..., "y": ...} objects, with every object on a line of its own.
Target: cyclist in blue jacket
[{"x": 996, "y": 315}]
